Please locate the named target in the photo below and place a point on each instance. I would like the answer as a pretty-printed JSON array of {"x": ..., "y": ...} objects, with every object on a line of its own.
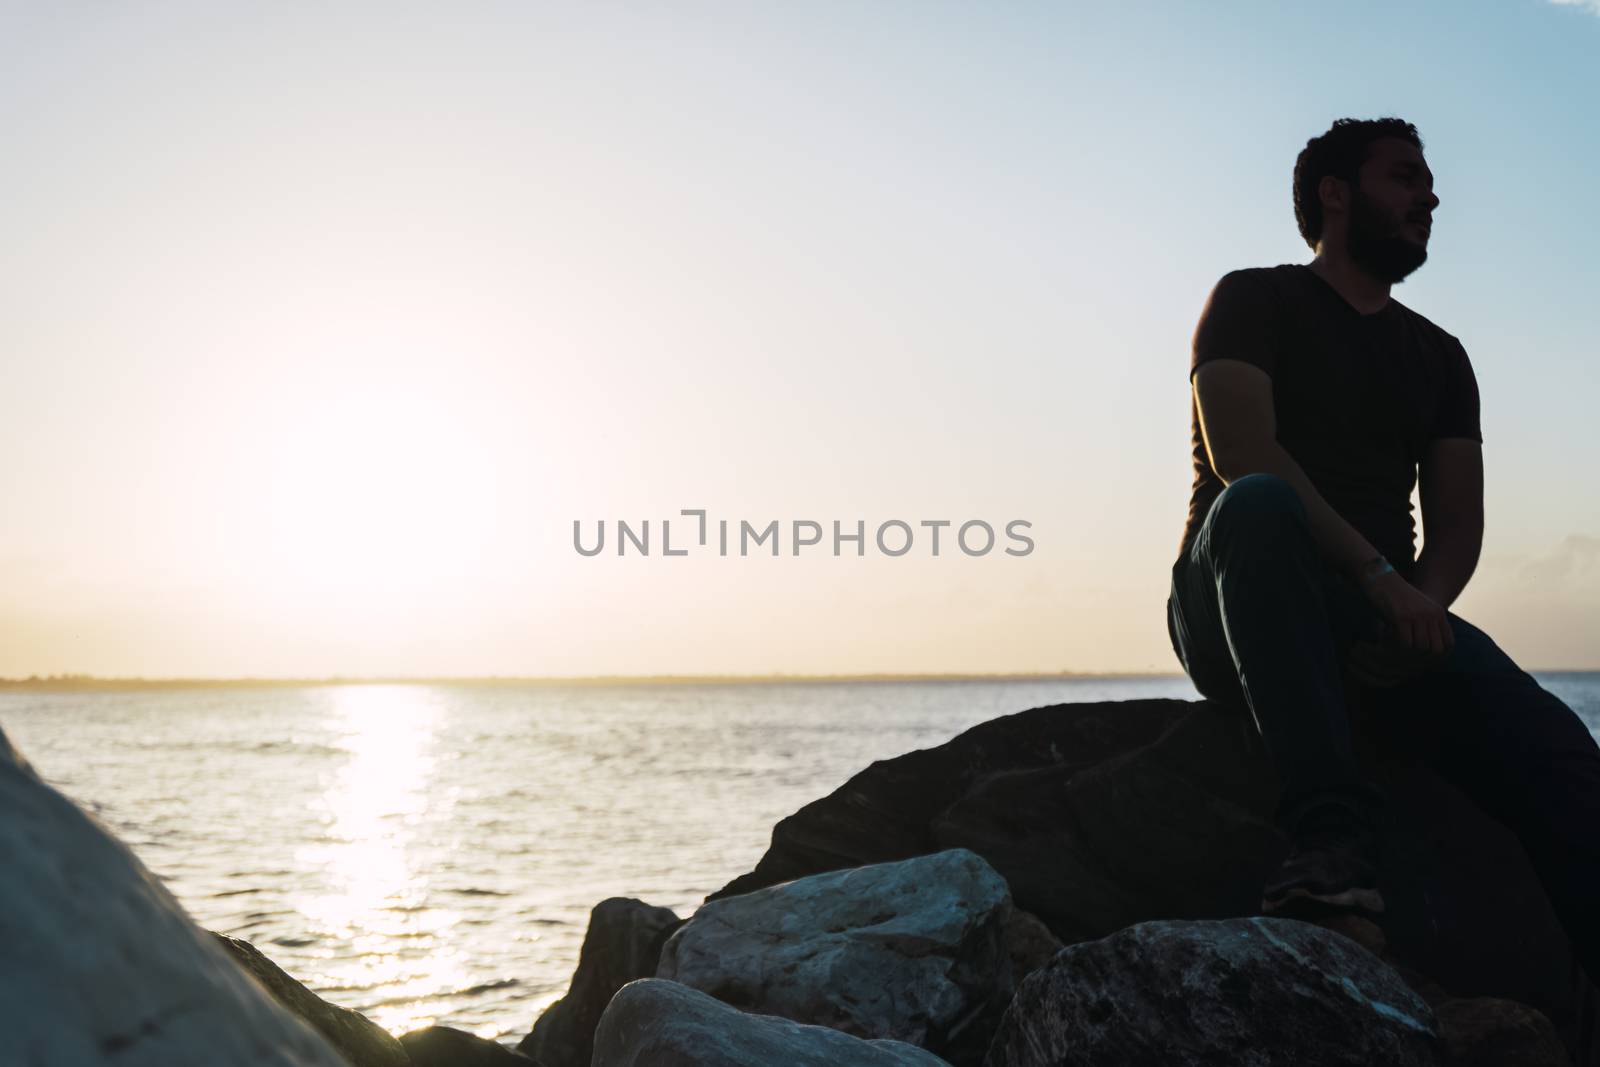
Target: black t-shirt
[{"x": 1357, "y": 397}]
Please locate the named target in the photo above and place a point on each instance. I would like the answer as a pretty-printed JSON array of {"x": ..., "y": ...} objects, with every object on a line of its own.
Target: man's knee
[
  {"x": 1257, "y": 505},
  {"x": 1475, "y": 655},
  {"x": 1258, "y": 493}
]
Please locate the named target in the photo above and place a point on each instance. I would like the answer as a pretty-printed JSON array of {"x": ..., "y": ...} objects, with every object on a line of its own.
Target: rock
[
  {"x": 100, "y": 965},
  {"x": 656, "y": 1023},
  {"x": 913, "y": 951},
  {"x": 886, "y": 812},
  {"x": 1097, "y": 849},
  {"x": 1029, "y": 944},
  {"x": 1101, "y": 816},
  {"x": 1369, "y": 935},
  {"x": 1268, "y": 991},
  {"x": 441, "y": 1046},
  {"x": 1487, "y": 1032},
  {"x": 623, "y": 943},
  {"x": 358, "y": 1039}
]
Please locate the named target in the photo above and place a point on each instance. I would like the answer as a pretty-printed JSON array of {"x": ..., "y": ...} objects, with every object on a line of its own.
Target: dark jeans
[{"x": 1258, "y": 619}]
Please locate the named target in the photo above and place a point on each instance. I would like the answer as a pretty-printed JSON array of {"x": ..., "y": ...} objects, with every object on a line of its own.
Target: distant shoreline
[{"x": 88, "y": 683}]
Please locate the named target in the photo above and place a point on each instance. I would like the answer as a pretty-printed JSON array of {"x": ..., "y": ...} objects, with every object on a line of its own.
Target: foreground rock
[
  {"x": 1101, "y": 816},
  {"x": 914, "y": 951},
  {"x": 443, "y": 1046},
  {"x": 99, "y": 964},
  {"x": 358, "y": 1039},
  {"x": 623, "y": 943},
  {"x": 656, "y": 1023},
  {"x": 1485, "y": 1032},
  {"x": 1201, "y": 993}
]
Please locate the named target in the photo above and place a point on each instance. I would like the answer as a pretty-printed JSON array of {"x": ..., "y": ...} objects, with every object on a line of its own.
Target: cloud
[
  {"x": 1543, "y": 608},
  {"x": 1574, "y": 562},
  {"x": 1591, "y": 6}
]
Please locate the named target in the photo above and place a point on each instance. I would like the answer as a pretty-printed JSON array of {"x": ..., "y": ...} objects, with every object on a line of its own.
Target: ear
[{"x": 1334, "y": 194}]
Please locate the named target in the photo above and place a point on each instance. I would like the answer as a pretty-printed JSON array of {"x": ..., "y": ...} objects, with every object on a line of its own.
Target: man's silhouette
[{"x": 1317, "y": 401}]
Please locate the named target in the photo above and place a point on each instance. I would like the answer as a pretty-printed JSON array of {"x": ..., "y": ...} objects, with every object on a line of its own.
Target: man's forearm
[
  {"x": 1444, "y": 566},
  {"x": 1340, "y": 542}
]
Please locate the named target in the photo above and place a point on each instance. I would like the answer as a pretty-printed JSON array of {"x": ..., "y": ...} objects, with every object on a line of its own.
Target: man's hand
[
  {"x": 1415, "y": 621},
  {"x": 1416, "y": 637}
]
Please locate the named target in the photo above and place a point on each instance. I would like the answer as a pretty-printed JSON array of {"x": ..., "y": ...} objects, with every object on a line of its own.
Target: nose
[{"x": 1433, "y": 200}]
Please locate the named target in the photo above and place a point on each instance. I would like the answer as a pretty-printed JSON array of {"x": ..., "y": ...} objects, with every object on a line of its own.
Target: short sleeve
[
  {"x": 1240, "y": 321},
  {"x": 1457, "y": 413}
]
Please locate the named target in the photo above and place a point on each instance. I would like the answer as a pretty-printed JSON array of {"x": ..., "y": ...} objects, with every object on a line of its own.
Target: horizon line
[{"x": 90, "y": 681}]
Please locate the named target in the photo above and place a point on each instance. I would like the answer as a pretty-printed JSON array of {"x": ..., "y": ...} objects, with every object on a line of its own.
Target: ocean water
[{"x": 429, "y": 854}]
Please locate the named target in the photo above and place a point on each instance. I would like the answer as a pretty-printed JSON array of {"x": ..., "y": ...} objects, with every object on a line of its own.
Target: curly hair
[{"x": 1339, "y": 152}]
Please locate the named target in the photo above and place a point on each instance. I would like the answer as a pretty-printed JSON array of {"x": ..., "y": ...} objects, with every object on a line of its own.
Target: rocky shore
[{"x": 1075, "y": 884}]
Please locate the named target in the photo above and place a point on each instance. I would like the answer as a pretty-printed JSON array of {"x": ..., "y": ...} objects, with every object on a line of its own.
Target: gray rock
[
  {"x": 443, "y": 1046},
  {"x": 623, "y": 942},
  {"x": 100, "y": 965},
  {"x": 358, "y": 1039},
  {"x": 656, "y": 1023},
  {"x": 913, "y": 951},
  {"x": 1237, "y": 991}
]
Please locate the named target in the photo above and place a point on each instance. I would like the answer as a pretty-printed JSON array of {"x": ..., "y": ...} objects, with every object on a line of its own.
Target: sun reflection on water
[{"x": 372, "y": 898}]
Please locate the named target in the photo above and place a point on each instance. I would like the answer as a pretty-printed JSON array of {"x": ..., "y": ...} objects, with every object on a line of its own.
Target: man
[{"x": 1317, "y": 400}]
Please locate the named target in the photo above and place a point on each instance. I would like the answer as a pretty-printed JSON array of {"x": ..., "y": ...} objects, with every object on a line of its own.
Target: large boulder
[
  {"x": 656, "y": 1023},
  {"x": 623, "y": 943},
  {"x": 358, "y": 1039},
  {"x": 1134, "y": 837},
  {"x": 1100, "y": 816},
  {"x": 99, "y": 964},
  {"x": 914, "y": 951},
  {"x": 1193, "y": 994},
  {"x": 887, "y": 811}
]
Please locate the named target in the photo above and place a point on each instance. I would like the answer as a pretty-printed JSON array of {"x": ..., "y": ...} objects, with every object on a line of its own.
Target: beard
[{"x": 1377, "y": 245}]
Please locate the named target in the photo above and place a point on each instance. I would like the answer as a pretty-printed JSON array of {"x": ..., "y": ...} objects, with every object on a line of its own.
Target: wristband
[{"x": 1368, "y": 575}]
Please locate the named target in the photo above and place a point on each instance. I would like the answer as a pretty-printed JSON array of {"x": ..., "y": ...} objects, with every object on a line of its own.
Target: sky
[{"x": 321, "y": 326}]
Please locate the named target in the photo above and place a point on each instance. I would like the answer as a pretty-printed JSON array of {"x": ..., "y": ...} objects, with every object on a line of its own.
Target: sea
[{"x": 430, "y": 853}]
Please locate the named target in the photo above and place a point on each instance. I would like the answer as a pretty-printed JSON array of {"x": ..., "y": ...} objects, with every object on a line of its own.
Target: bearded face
[{"x": 1378, "y": 242}]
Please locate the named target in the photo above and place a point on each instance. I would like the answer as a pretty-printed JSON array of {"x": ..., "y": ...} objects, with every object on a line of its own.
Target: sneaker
[{"x": 1325, "y": 875}]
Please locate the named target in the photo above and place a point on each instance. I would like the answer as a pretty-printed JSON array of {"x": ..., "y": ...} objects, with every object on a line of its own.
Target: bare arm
[
  {"x": 1451, "y": 488},
  {"x": 1240, "y": 429}
]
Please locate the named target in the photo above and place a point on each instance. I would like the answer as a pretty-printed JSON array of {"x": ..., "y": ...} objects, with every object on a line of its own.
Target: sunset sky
[{"x": 320, "y": 325}]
